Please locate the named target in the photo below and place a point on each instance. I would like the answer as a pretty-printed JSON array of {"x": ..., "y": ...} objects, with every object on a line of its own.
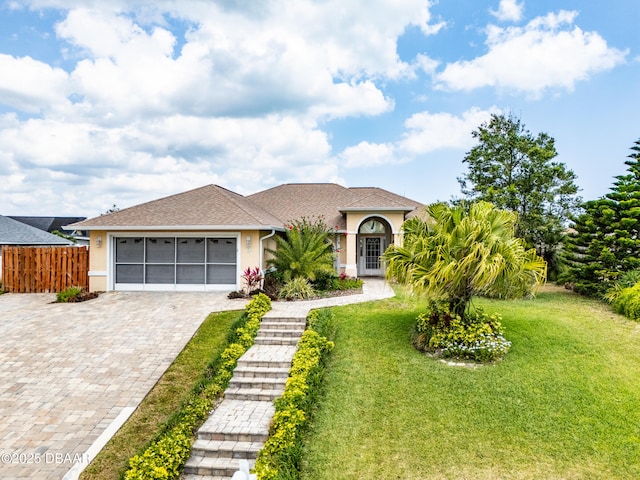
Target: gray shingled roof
[
  {"x": 48, "y": 224},
  {"x": 13, "y": 232},
  {"x": 214, "y": 207}
]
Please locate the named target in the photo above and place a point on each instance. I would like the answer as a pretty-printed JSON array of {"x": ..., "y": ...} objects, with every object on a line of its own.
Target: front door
[{"x": 371, "y": 247}]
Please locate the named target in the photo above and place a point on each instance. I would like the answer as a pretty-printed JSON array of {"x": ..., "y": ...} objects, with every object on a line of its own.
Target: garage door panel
[{"x": 186, "y": 274}]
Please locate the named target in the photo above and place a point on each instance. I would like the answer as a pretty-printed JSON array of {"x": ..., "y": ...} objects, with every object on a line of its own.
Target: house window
[{"x": 176, "y": 260}]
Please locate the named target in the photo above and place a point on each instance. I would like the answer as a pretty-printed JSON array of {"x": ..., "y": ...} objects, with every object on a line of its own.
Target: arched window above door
[{"x": 371, "y": 227}]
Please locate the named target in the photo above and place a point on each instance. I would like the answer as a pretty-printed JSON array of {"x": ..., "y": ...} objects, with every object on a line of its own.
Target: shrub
[
  {"x": 625, "y": 280},
  {"x": 68, "y": 294},
  {"x": 252, "y": 277},
  {"x": 164, "y": 458},
  {"x": 478, "y": 337},
  {"x": 280, "y": 456},
  {"x": 325, "y": 281},
  {"x": 297, "y": 289},
  {"x": 349, "y": 283},
  {"x": 627, "y": 302},
  {"x": 272, "y": 284}
]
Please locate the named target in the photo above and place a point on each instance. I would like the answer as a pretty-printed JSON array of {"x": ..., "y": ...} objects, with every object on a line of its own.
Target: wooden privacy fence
[{"x": 44, "y": 269}]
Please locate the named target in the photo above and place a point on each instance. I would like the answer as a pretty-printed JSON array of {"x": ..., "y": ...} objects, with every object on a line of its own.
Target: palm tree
[
  {"x": 458, "y": 253},
  {"x": 305, "y": 251}
]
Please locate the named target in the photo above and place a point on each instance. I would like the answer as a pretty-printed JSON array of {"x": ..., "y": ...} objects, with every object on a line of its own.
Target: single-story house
[
  {"x": 14, "y": 233},
  {"x": 204, "y": 239}
]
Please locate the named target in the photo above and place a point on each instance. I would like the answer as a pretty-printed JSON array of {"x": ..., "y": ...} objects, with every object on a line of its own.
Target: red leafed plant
[{"x": 253, "y": 277}]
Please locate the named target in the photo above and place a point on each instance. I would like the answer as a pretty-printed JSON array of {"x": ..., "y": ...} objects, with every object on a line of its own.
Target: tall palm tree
[{"x": 459, "y": 253}]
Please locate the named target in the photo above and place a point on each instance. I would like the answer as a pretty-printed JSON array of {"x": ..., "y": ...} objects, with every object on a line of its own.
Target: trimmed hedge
[
  {"x": 165, "y": 457},
  {"x": 627, "y": 302},
  {"x": 280, "y": 456}
]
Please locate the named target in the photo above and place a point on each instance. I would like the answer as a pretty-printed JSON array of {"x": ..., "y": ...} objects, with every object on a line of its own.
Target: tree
[
  {"x": 605, "y": 241},
  {"x": 461, "y": 253},
  {"x": 305, "y": 250},
  {"x": 515, "y": 170}
]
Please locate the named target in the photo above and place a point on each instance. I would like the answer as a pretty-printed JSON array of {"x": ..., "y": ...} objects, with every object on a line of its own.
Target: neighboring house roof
[
  {"x": 13, "y": 232},
  {"x": 213, "y": 207},
  {"x": 206, "y": 208},
  {"x": 48, "y": 224}
]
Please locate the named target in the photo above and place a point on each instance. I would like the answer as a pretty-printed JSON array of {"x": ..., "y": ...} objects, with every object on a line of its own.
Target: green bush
[
  {"x": 479, "y": 337},
  {"x": 280, "y": 456},
  {"x": 297, "y": 289},
  {"x": 627, "y": 302},
  {"x": 165, "y": 457},
  {"x": 349, "y": 283},
  {"x": 68, "y": 294}
]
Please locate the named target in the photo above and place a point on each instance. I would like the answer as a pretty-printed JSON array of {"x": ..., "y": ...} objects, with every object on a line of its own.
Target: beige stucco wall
[
  {"x": 98, "y": 261},
  {"x": 248, "y": 251},
  {"x": 354, "y": 220}
]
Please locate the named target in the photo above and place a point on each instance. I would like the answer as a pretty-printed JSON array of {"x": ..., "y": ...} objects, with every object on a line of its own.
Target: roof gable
[{"x": 207, "y": 207}]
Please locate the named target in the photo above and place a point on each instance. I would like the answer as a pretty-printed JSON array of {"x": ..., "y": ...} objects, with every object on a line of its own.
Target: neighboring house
[
  {"x": 204, "y": 238},
  {"x": 15, "y": 233},
  {"x": 56, "y": 224}
]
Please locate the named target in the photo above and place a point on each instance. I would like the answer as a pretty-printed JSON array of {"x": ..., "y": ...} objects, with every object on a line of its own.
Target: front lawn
[{"x": 564, "y": 403}]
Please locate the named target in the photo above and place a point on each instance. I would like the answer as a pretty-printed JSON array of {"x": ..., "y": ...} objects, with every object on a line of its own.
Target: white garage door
[{"x": 175, "y": 263}]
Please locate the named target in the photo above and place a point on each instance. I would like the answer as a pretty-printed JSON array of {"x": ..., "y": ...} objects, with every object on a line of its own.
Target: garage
[{"x": 175, "y": 262}]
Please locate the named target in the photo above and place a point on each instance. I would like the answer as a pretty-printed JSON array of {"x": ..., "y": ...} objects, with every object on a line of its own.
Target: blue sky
[{"x": 122, "y": 102}]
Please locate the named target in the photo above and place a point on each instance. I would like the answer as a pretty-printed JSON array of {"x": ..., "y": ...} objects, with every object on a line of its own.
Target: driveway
[{"x": 70, "y": 374}]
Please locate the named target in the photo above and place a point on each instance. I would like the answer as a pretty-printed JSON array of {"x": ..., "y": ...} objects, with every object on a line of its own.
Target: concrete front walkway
[{"x": 71, "y": 373}]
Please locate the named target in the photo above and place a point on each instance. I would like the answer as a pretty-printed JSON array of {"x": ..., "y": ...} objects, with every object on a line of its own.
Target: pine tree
[{"x": 606, "y": 241}]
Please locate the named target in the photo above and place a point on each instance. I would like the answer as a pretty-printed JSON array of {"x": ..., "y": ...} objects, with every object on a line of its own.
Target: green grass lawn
[
  {"x": 563, "y": 404},
  {"x": 164, "y": 399}
]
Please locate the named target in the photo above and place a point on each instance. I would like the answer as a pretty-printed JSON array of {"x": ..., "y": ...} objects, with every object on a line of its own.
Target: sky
[{"x": 118, "y": 102}]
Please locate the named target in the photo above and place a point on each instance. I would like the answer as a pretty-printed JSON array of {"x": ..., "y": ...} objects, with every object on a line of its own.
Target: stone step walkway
[{"x": 239, "y": 426}]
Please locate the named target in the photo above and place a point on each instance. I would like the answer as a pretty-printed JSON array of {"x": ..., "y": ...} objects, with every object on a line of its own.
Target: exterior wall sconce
[
  {"x": 99, "y": 241},
  {"x": 248, "y": 242}
]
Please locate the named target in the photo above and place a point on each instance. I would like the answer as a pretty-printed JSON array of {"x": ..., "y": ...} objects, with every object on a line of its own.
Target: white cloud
[
  {"x": 508, "y": 11},
  {"x": 549, "y": 52},
  {"x": 367, "y": 154},
  {"x": 31, "y": 86},
  {"x": 427, "y": 132}
]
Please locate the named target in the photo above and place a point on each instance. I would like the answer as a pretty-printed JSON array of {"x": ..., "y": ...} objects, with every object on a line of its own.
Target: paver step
[
  {"x": 296, "y": 327},
  {"x": 255, "y": 437},
  {"x": 268, "y": 356},
  {"x": 238, "y": 420},
  {"x": 260, "y": 340},
  {"x": 281, "y": 332},
  {"x": 224, "y": 467},
  {"x": 226, "y": 449},
  {"x": 264, "y": 383},
  {"x": 302, "y": 320},
  {"x": 195, "y": 476},
  {"x": 260, "y": 371},
  {"x": 253, "y": 394}
]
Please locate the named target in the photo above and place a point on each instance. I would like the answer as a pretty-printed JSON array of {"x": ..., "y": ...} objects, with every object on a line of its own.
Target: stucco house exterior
[{"x": 203, "y": 239}]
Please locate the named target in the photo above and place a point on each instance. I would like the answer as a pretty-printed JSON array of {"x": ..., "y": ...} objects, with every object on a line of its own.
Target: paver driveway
[{"x": 67, "y": 371}]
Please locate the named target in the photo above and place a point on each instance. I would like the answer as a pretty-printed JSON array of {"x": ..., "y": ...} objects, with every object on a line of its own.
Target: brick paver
[{"x": 68, "y": 370}]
